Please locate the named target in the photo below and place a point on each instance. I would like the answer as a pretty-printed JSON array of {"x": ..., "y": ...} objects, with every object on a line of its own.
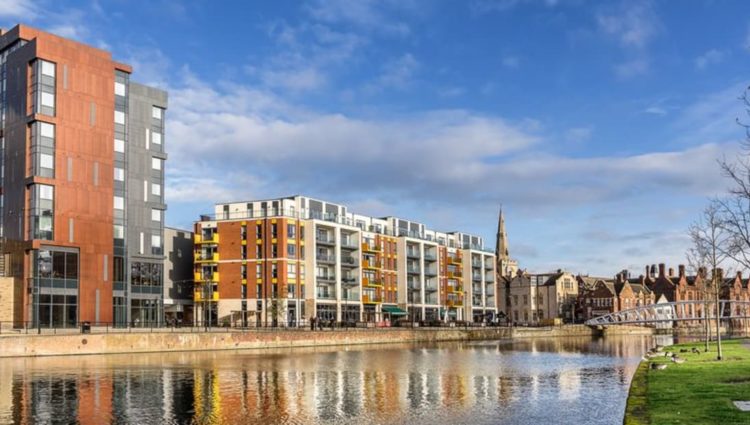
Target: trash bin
[{"x": 85, "y": 327}]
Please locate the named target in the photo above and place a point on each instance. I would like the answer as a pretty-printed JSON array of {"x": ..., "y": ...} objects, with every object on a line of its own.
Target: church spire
[{"x": 501, "y": 247}]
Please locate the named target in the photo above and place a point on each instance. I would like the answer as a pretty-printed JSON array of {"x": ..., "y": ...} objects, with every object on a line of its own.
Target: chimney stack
[
  {"x": 739, "y": 275},
  {"x": 661, "y": 269},
  {"x": 653, "y": 271},
  {"x": 681, "y": 269},
  {"x": 671, "y": 272},
  {"x": 719, "y": 274}
]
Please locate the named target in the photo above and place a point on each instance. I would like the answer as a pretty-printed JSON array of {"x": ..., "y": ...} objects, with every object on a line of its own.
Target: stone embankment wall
[{"x": 77, "y": 344}]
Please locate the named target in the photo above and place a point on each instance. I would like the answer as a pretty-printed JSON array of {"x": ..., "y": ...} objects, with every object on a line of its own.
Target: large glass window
[
  {"x": 43, "y": 87},
  {"x": 43, "y": 149},
  {"x": 42, "y": 211},
  {"x": 56, "y": 281}
]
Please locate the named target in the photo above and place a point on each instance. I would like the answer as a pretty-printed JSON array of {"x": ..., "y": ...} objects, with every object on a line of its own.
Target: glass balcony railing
[
  {"x": 325, "y": 258},
  {"x": 326, "y": 277}
]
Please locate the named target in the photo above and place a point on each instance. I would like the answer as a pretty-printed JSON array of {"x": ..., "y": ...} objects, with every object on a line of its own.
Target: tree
[{"x": 711, "y": 246}]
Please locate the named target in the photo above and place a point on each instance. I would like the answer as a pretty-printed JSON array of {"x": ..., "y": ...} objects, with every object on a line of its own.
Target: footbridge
[{"x": 675, "y": 312}]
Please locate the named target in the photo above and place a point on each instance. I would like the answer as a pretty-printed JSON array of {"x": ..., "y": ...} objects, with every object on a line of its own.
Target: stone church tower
[{"x": 505, "y": 265}]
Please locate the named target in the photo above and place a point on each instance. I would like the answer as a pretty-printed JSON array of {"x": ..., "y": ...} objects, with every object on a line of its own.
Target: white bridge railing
[{"x": 675, "y": 312}]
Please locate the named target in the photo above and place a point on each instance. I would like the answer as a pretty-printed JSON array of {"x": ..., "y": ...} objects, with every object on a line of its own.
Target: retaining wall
[{"x": 113, "y": 343}]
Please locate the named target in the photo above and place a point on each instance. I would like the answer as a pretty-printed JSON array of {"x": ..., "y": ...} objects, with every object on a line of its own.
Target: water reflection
[{"x": 527, "y": 381}]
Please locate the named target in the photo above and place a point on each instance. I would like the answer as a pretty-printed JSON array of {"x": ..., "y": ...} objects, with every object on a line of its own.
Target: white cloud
[
  {"x": 24, "y": 9},
  {"x": 371, "y": 15},
  {"x": 396, "y": 73},
  {"x": 633, "y": 24},
  {"x": 711, "y": 57}
]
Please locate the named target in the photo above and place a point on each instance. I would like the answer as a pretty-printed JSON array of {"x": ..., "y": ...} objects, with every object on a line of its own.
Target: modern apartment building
[
  {"x": 284, "y": 260},
  {"x": 82, "y": 172}
]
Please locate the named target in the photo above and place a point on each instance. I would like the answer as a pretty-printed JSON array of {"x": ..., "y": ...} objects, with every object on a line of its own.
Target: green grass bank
[{"x": 699, "y": 391}]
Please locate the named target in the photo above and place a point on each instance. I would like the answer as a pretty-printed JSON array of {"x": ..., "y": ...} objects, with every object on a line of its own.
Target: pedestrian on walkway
[{"x": 312, "y": 323}]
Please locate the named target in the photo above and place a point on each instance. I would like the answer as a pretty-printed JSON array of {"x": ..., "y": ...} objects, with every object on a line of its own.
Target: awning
[{"x": 393, "y": 310}]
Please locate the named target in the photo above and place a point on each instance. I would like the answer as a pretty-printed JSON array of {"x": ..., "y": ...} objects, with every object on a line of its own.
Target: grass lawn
[{"x": 699, "y": 391}]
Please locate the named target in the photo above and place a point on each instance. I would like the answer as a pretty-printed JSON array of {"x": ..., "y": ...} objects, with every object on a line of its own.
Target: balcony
[
  {"x": 412, "y": 269},
  {"x": 352, "y": 296},
  {"x": 371, "y": 299},
  {"x": 370, "y": 248},
  {"x": 207, "y": 258},
  {"x": 349, "y": 243},
  {"x": 431, "y": 286},
  {"x": 325, "y": 295},
  {"x": 431, "y": 300},
  {"x": 206, "y": 277},
  {"x": 430, "y": 271},
  {"x": 489, "y": 291},
  {"x": 455, "y": 303},
  {"x": 414, "y": 285},
  {"x": 455, "y": 275},
  {"x": 325, "y": 239},
  {"x": 198, "y": 296},
  {"x": 349, "y": 261},
  {"x": 489, "y": 277},
  {"x": 476, "y": 277},
  {"x": 214, "y": 238},
  {"x": 488, "y": 265},
  {"x": 370, "y": 264},
  {"x": 412, "y": 253},
  {"x": 373, "y": 283},
  {"x": 454, "y": 260},
  {"x": 476, "y": 263},
  {"x": 331, "y": 278},
  {"x": 456, "y": 289},
  {"x": 325, "y": 258},
  {"x": 349, "y": 281},
  {"x": 430, "y": 257}
]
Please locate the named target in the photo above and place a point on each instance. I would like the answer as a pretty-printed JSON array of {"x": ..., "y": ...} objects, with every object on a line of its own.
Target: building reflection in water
[{"x": 388, "y": 384}]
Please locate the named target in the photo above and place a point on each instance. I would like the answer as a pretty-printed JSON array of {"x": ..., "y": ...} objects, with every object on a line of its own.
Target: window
[
  {"x": 155, "y": 215},
  {"x": 274, "y": 251},
  {"x": 48, "y": 69},
  {"x": 119, "y": 203},
  {"x": 42, "y": 211},
  {"x": 291, "y": 231},
  {"x": 274, "y": 271},
  {"x": 119, "y": 174},
  {"x": 155, "y": 244},
  {"x": 43, "y": 149},
  {"x": 156, "y": 112},
  {"x": 291, "y": 271},
  {"x": 155, "y": 189},
  {"x": 525, "y": 299},
  {"x": 243, "y": 252},
  {"x": 47, "y": 161},
  {"x": 259, "y": 271},
  {"x": 156, "y": 138},
  {"x": 43, "y": 88},
  {"x": 119, "y": 231},
  {"x": 156, "y": 163},
  {"x": 119, "y": 89},
  {"x": 119, "y": 117},
  {"x": 291, "y": 251},
  {"x": 258, "y": 231},
  {"x": 119, "y": 146}
]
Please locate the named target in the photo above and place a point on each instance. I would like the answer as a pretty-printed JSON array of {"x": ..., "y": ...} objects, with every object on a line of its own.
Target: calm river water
[{"x": 551, "y": 381}]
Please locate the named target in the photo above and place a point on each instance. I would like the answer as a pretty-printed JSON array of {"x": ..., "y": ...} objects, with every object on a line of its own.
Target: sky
[{"x": 596, "y": 125}]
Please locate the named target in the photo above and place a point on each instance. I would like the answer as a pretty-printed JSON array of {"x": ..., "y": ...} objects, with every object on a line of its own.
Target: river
[{"x": 533, "y": 381}]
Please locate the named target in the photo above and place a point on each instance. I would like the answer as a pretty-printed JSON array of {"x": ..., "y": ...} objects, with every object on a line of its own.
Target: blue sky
[{"x": 597, "y": 125}]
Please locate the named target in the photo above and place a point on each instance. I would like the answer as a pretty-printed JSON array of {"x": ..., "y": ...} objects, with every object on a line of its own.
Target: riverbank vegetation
[{"x": 699, "y": 391}]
